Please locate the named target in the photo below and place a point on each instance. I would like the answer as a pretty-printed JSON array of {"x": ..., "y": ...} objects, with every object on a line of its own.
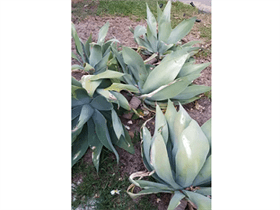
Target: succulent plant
[
  {"x": 178, "y": 157},
  {"x": 171, "y": 79},
  {"x": 93, "y": 57},
  {"x": 95, "y": 124},
  {"x": 159, "y": 37}
]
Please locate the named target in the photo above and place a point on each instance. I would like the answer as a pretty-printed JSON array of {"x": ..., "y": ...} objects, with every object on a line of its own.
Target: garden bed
[{"x": 199, "y": 110}]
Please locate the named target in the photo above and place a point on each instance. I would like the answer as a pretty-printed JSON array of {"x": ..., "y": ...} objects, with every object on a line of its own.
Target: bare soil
[{"x": 199, "y": 110}]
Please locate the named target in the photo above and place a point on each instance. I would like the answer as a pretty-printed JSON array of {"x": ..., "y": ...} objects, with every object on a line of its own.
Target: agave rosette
[
  {"x": 171, "y": 79},
  {"x": 178, "y": 157},
  {"x": 159, "y": 37},
  {"x": 92, "y": 57},
  {"x": 95, "y": 124}
]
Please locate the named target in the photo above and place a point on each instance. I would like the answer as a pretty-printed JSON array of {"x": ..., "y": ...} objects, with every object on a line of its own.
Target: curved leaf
[
  {"x": 78, "y": 43},
  {"x": 102, "y": 33},
  {"x": 117, "y": 124},
  {"x": 121, "y": 100},
  {"x": 95, "y": 55},
  {"x": 80, "y": 146},
  {"x": 189, "y": 68},
  {"x": 160, "y": 161},
  {"x": 161, "y": 124},
  {"x": 76, "y": 112},
  {"x": 89, "y": 85},
  {"x": 103, "y": 133},
  {"x": 191, "y": 92},
  {"x": 175, "y": 200},
  {"x": 181, "y": 30},
  {"x": 125, "y": 142},
  {"x": 139, "y": 30},
  {"x": 166, "y": 72},
  {"x": 118, "y": 87},
  {"x": 101, "y": 103},
  {"x": 108, "y": 74},
  {"x": 94, "y": 144},
  {"x": 192, "y": 151},
  {"x": 204, "y": 176},
  {"x": 151, "y": 21},
  {"x": 204, "y": 191},
  {"x": 201, "y": 201},
  {"x": 147, "y": 192}
]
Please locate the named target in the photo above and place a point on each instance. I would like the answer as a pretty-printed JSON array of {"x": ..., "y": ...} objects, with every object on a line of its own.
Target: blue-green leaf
[
  {"x": 202, "y": 202},
  {"x": 79, "y": 147},
  {"x": 101, "y": 103},
  {"x": 102, "y": 33},
  {"x": 175, "y": 200}
]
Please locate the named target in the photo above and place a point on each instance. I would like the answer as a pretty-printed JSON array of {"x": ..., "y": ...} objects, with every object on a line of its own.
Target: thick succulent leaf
[
  {"x": 88, "y": 67},
  {"x": 147, "y": 192},
  {"x": 95, "y": 55},
  {"x": 175, "y": 200},
  {"x": 151, "y": 21},
  {"x": 191, "y": 91},
  {"x": 108, "y": 74},
  {"x": 76, "y": 67},
  {"x": 76, "y": 82},
  {"x": 192, "y": 151},
  {"x": 189, "y": 68},
  {"x": 163, "y": 47},
  {"x": 101, "y": 103},
  {"x": 85, "y": 114},
  {"x": 125, "y": 142},
  {"x": 119, "y": 58},
  {"x": 78, "y": 44},
  {"x": 136, "y": 64},
  {"x": 147, "y": 140},
  {"x": 75, "y": 57},
  {"x": 160, "y": 161},
  {"x": 81, "y": 97},
  {"x": 103, "y": 133},
  {"x": 204, "y": 191},
  {"x": 87, "y": 45},
  {"x": 118, "y": 87},
  {"x": 172, "y": 89},
  {"x": 159, "y": 12},
  {"x": 176, "y": 102},
  {"x": 170, "y": 118},
  {"x": 202, "y": 202},
  {"x": 206, "y": 128},
  {"x": 152, "y": 39},
  {"x": 148, "y": 184},
  {"x": 164, "y": 31},
  {"x": 89, "y": 85},
  {"x": 165, "y": 15},
  {"x": 139, "y": 31},
  {"x": 161, "y": 124},
  {"x": 122, "y": 101},
  {"x": 76, "y": 112},
  {"x": 117, "y": 124},
  {"x": 102, "y": 65},
  {"x": 102, "y": 33},
  {"x": 80, "y": 146},
  {"x": 166, "y": 72},
  {"x": 94, "y": 144},
  {"x": 144, "y": 43},
  {"x": 204, "y": 176},
  {"x": 181, "y": 30}
]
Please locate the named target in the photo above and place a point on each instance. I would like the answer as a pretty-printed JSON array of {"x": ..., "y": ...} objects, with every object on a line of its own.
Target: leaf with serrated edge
[{"x": 192, "y": 151}]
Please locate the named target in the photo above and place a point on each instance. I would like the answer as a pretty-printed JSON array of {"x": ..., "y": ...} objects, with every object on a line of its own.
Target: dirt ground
[{"x": 199, "y": 110}]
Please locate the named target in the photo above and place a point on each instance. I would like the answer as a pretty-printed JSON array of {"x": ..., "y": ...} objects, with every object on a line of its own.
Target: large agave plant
[
  {"x": 92, "y": 57},
  {"x": 159, "y": 37},
  {"x": 171, "y": 79},
  {"x": 95, "y": 124},
  {"x": 178, "y": 157}
]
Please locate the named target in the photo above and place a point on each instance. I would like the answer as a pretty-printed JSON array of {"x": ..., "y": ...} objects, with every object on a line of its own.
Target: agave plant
[
  {"x": 95, "y": 124},
  {"x": 171, "y": 79},
  {"x": 178, "y": 157},
  {"x": 159, "y": 37},
  {"x": 93, "y": 57}
]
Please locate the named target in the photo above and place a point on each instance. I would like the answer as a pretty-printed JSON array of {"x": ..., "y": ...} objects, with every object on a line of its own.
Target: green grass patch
[
  {"x": 97, "y": 187},
  {"x": 205, "y": 32},
  {"x": 84, "y": 8}
]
